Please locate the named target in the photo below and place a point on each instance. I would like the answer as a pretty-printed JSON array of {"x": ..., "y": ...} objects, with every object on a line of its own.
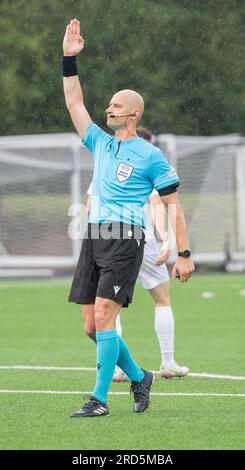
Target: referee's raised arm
[{"x": 73, "y": 44}]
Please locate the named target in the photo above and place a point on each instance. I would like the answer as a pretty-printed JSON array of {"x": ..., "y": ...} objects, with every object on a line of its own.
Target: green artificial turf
[{"x": 39, "y": 328}]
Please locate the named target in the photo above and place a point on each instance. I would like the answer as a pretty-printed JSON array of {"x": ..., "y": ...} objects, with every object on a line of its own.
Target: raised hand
[{"x": 73, "y": 42}]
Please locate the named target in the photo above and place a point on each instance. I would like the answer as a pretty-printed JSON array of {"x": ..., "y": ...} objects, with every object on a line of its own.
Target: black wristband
[
  {"x": 69, "y": 66},
  {"x": 168, "y": 190}
]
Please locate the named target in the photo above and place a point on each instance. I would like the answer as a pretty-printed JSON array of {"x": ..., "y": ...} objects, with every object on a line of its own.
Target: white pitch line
[
  {"x": 216, "y": 376},
  {"x": 93, "y": 369},
  {"x": 65, "y": 392}
]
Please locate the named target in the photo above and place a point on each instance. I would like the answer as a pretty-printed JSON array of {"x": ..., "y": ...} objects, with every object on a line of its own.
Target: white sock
[
  {"x": 164, "y": 328},
  {"x": 118, "y": 325}
]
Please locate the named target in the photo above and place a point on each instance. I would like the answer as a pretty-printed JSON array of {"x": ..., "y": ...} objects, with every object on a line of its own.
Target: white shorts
[{"x": 150, "y": 274}]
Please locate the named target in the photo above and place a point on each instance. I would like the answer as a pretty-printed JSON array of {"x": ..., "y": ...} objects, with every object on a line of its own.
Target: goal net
[
  {"x": 42, "y": 176},
  {"x": 212, "y": 175}
]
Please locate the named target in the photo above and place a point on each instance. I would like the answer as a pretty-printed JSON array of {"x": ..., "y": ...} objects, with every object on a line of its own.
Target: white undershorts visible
[{"x": 151, "y": 275}]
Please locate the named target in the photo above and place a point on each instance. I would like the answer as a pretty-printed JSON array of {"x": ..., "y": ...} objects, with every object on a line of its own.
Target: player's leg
[
  {"x": 115, "y": 288},
  {"x": 110, "y": 349},
  {"x": 105, "y": 321},
  {"x": 103, "y": 317},
  {"x": 119, "y": 375},
  {"x": 118, "y": 283},
  {"x": 155, "y": 279},
  {"x": 164, "y": 322},
  {"x": 164, "y": 328},
  {"x": 83, "y": 291},
  {"x": 119, "y": 325},
  {"x": 88, "y": 320},
  {"x": 105, "y": 311},
  {"x": 90, "y": 330}
]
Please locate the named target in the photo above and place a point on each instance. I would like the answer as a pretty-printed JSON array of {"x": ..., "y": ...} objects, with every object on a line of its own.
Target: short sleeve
[
  {"x": 162, "y": 174},
  {"x": 94, "y": 135}
]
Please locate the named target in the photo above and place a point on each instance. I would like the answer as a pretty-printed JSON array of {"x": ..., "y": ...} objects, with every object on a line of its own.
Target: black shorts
[{"x": 108, "y": 267}]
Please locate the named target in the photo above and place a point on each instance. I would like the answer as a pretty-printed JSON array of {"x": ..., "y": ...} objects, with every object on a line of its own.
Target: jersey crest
[{"x": 124, "y": 172}]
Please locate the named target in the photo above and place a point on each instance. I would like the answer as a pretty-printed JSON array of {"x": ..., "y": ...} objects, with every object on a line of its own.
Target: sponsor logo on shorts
[{"x": 116, "y": 289}]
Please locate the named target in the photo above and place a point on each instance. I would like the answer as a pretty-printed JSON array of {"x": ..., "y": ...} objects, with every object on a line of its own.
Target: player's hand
[
  {"x": 162, "y": 258},
  {"x": 183, "y": 268},
  {"x": 73, "y": 42}
]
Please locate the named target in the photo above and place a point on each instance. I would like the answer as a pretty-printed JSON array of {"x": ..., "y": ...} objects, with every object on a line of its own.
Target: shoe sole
[
  {"x": 89, "y": 416},
  {"x": 172, "y": 376}
]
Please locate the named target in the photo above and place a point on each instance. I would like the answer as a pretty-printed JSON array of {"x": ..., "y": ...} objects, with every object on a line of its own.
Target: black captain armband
[
  {"x": 69, "y": 63},
  {"x": 168, "y": 190}
]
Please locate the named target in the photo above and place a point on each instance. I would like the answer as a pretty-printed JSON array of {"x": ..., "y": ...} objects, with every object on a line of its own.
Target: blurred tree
[{"x": 184, "y": 56}]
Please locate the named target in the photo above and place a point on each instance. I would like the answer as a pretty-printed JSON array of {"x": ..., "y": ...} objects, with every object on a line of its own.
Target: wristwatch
[{"x": 184, "y": 254}]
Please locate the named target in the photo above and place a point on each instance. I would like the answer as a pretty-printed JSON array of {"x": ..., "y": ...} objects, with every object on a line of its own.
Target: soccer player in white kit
[{"x": 154, "y": 277}]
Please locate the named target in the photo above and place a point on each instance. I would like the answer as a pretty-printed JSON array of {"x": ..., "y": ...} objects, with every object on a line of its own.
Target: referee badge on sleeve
[{"x": 124, "y": 172}]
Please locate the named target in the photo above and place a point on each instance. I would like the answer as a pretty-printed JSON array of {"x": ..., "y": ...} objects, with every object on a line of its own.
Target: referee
[{"x": 126, "y": 170}]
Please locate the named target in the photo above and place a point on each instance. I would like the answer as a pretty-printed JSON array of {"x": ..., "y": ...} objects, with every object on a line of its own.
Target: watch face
[{"x": 185, "y": 254}]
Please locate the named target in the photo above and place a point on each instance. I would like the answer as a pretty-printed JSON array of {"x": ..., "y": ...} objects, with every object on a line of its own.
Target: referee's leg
[
  {"x": 109, "y": 351},
  {"x": 88, "y": 320},
  {"x": 105, "y": 313}
]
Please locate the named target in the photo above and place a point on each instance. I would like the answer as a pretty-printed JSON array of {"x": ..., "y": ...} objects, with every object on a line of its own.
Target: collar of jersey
[{"x": 126, "y": 141}]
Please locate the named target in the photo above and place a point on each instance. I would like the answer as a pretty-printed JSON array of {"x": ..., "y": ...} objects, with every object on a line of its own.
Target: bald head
[{"x": 132, "y": 100}]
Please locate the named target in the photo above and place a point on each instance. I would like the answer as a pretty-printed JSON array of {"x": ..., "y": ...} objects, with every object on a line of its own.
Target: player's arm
[
  {"x": 73, "y": 44},
  {"x": 158, "y": 214},
  {"x": 183, "y": 266}
]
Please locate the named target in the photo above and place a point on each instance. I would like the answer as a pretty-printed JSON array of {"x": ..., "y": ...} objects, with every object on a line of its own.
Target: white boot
[
  {"x": 175, "y": 371},
  {"x": 119, "y": 375}
]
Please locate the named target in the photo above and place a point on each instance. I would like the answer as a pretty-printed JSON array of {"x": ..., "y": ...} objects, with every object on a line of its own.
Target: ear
[{"x": 135, "y": 114}]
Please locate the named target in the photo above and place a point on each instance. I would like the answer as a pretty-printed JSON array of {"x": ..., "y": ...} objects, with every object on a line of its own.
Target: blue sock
[
  {"x": 107, "y": 354},
  {"x": 127, "y": 363}
]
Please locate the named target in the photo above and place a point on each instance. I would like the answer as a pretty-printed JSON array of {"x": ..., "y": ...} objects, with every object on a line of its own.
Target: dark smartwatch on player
[{"x": 184, "y": 254}]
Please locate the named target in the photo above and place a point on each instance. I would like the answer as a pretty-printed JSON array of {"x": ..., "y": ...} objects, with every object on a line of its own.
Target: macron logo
[{"x": 116, "y": 289}]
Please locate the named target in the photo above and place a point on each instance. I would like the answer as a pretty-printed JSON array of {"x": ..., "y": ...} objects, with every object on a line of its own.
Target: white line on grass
[
  {"x": 92, "y": 369},
  {"x": 216, "y": 376},
  {"x": 160, "y": 394}
]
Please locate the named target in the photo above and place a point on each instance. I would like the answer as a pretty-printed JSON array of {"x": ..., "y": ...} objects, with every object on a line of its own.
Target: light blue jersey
[{"x": 125, "y": 173}]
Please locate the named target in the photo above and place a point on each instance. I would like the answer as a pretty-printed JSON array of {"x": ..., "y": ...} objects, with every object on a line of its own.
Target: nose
[{"x": 108, "y": 110}]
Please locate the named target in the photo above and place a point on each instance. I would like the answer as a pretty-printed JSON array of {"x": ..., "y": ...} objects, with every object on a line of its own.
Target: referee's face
[{"x": 119, "y": 110}]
